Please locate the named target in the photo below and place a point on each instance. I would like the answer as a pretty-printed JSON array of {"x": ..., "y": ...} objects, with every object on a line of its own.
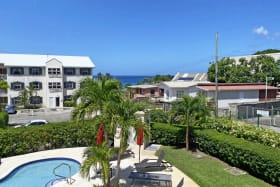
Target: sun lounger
[{"x": 153, "y": 164}]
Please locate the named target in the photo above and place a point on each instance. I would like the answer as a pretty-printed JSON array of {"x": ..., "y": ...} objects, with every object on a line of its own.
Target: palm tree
[
  {"x": 190, "y": 111},
  {"x": 98, "y": 155},
  {"x": 4, "y": 85},
  {"x": 93, "y": 95},
  {"x": 123, "y": 115}
]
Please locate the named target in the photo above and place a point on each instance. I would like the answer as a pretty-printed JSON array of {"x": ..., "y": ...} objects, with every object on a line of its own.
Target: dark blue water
[{"x": 129, "y": 79}]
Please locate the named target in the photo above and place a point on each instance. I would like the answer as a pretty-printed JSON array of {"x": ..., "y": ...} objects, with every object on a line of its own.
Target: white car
[{"x": 33, "y": 123}]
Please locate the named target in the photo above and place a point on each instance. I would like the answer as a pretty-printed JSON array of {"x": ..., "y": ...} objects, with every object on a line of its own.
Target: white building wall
[
  {"x": 227, "y": 97},
  {"x": 49, "y": 96},
  {"x": 191, "y": 91}
]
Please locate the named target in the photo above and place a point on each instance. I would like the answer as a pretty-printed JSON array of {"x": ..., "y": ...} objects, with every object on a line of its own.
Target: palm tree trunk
[
  {"x": 187, "y": 138},
  {"x": 116, "y": 181}
]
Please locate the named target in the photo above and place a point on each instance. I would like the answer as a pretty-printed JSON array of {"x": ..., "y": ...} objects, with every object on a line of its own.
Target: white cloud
[{"x": 261, "y": 31}]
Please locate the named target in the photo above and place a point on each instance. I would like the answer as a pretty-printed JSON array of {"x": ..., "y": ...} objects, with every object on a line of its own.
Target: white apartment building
[{"x": 54, "y": 78}]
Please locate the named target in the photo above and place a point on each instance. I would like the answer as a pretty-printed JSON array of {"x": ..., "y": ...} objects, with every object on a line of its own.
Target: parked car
[
  {"x": 10, "y": 109},
  {"x": 35, "y": 122}
]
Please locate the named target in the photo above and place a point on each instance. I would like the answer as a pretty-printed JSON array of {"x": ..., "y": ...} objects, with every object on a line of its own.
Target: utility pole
[{"x": 216, "y": 77}]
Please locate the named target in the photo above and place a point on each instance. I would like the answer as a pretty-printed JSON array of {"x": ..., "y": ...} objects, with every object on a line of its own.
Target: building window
[
  {"x": 179, "y": 93},
  {"x": 16, "y": 100},
  {"x": 69, "y": 71},
  {"x": 54, "y": 71},
  {"x": 3, "y": 70},
  {"x": 70, "y": 85},
  {"x": 3, "y": 100},
  {"x": 17, "y": 71},
  {"x": 17, "y": 85},
  {"x": 85, "y": 71},
  {"x": 68, "y": 98},
  {"x": 35, "y": 71},
  {"x": 54, "y": 85},
  {"x": 36, "y": 100},
  {"x": 36, "y": 85}
]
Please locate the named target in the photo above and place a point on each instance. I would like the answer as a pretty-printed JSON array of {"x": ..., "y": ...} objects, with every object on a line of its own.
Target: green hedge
[
  {"x": 260, "y": 160},
  {"x": 242, "y": 130},
  {"x": 167, "y": 134},
  {"x": 4, "y": 119},
  {"x": 15, "y": 141}
]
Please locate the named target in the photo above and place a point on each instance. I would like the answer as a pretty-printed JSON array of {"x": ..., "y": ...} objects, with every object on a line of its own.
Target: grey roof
[
  {"x": 143, "y": 86},
  {"x": 181, "y": 84},
  {"x": 40, "y": 60},
  {"x": 190, "y": 77}
]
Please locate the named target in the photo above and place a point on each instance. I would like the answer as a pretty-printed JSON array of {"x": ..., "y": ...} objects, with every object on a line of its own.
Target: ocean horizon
[{"x": 130, "y": 79}]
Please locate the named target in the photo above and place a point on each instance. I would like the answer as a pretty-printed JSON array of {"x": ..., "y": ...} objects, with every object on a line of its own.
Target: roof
[
  {"x": 190, "y": 77},
  {"x": 40, "y": 60},
  {"x": 143, "y": 86},
  {"x": 231, "y": 87},
  {"x": 181, "y": 84}
]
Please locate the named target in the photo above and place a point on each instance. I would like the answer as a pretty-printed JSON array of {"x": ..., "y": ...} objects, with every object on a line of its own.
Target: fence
[{"x": 265, "y": 113}]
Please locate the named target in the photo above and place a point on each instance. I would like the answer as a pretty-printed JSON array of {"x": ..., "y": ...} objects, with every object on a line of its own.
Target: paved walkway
[{"x": 8, "y": 164}]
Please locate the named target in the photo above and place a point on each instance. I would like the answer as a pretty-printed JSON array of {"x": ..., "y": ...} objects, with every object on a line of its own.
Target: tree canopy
[
  {"x": 156, "y": 79},
  {"x": 267, "y": 51},
  {"x": 246, "y": 71}
]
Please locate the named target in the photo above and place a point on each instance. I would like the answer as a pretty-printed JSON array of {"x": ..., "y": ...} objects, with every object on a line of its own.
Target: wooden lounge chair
[{"x": 153, "y": 164}]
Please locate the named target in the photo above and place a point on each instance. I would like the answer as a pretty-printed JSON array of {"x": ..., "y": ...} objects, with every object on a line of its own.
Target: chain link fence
[{"x": 262, "y": 114}]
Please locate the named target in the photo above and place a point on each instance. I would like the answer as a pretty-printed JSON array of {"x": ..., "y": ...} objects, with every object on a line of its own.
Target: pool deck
[{"x": 127, "y": 164}]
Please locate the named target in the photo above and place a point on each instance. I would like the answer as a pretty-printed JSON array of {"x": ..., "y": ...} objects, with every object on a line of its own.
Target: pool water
[{"x": 39, "y": 173}]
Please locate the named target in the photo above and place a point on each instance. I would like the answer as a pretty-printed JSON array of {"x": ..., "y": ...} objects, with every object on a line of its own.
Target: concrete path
[{"x": 8, "y": 164}]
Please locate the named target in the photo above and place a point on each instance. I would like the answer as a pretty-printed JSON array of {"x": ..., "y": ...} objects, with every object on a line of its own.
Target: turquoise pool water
[{"x": 39, "y": 173}]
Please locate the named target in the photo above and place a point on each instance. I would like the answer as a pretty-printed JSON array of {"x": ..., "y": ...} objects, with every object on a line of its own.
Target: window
[
  {"x": 54, "y": 85},
  {"x": 3, "y": 100},
  {"x": 85, "y": 71},
  {"x": 68, "y": 98},
  {"x": 17, "y": 71},
  {"x": 36, "y": 85},
  {"x": 35, "y": 71},
  {"x": 3, "y": 70},
  {"x": 17, "y": 85},
  {"x": 70, "y": 85},
  {"x": 35, "y": 100},
  {"x": 179, "y": 93},
  {"x": 16, "y": 100},
  {"x": 54, "y": 71},
  {"x": 69, "y": 71}
]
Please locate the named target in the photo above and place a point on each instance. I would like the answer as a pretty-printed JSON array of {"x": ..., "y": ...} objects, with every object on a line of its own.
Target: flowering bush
[{"x": 243, "y": 130}]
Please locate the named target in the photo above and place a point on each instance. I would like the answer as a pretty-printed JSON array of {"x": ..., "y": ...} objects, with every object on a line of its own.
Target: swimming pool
[{"x": 39, "y": 173}]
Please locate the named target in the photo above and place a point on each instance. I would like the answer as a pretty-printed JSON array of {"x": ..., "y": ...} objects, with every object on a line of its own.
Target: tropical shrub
[
  {"x": 160, "y": 116},
  {"x": 167, "y": 134},
  {"x": 4, "y": 119},
  {"x": 259, "y": 160},
  {"x": 242, "y": 130},
  {"x": 15, "y": 141}
]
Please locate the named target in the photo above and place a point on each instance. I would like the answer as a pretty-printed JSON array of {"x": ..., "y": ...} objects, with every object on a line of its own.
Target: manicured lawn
[{"x": 207, "y": 171}]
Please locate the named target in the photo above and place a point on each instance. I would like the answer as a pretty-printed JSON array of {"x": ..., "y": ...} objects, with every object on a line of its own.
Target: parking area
[{"x": 54, "y": 115}]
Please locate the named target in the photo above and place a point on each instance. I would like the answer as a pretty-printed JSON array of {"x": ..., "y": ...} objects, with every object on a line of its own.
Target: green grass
[{"x": 208, "y": 172}]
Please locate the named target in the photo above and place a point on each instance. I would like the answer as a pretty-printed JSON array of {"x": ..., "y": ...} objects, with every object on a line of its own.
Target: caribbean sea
[{"x": 131, "y": 79}]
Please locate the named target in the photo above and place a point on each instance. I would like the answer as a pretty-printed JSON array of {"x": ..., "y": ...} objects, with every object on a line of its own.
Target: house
[
  {"x": 182, "y": 84},
  {"x": 144, "y": 91},
  {"x": 229, "y": 93},
  {"x": 53, "y": 78}
]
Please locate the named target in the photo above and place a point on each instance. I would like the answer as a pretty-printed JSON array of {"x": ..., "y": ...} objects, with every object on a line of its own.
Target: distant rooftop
[
  {"x": 143, "y": 86},
  {"x": 190, "y": 77},
  {"x": 40, "y": 60},
  {"x": 235, "y": 86}
]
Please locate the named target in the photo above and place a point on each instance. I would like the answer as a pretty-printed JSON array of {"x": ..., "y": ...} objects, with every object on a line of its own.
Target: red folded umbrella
[
  {"x": 140, "y": 136},
  {"x": 140, "y": 139},
  {"x": 100, "y": 133}
]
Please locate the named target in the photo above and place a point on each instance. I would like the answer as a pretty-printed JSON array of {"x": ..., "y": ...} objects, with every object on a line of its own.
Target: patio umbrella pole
[{"x": 139, "y": 152}]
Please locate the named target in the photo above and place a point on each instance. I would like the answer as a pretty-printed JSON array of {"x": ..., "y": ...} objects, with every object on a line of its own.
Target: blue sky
[{"x": 140, "y": 37}]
